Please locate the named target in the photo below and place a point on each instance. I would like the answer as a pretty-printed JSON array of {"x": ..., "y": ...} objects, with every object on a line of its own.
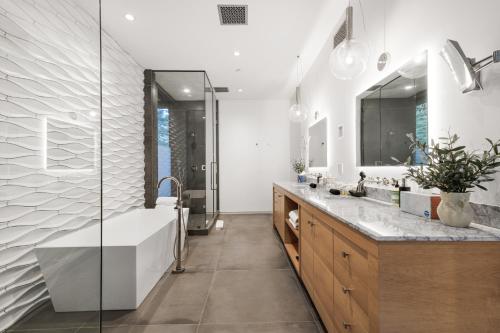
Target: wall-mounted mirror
[
  {"x": 391, "y": 109},
  {"x": 317, "y": 145}
]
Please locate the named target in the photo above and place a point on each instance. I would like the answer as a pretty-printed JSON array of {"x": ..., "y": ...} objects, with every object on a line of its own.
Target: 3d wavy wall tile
[{"x": 49, "y": 137}]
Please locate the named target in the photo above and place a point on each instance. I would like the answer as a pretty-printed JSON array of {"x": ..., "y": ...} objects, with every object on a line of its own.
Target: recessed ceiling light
[
  {"x": 237, "y": 70},
  {"x": 409, "y": 87},
  {"x": 129, "y": 17},
  {"x": 187, "y": 90},
  {"x": 240, "y": 90},
  {"x": 236, "y": 53}
]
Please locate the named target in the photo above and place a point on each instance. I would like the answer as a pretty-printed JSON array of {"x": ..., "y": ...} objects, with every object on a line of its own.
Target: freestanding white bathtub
[{"x": 137, "y": 250}]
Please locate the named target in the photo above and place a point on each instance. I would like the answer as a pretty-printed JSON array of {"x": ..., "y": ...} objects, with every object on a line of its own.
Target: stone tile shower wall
[{"x": 49, "y": 131}]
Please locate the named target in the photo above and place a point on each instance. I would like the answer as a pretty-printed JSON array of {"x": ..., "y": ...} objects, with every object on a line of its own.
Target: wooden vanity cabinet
[
  {"x": 279, "y": 212},
  {"x": 359, "y": 285}
]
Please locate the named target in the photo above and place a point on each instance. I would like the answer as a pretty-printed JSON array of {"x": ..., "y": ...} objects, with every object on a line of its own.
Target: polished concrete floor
[{"x": 236, "y": 280}]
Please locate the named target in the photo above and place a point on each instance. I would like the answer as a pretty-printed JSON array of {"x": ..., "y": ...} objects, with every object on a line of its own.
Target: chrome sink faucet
[
  {"x": 178, "y": 245},
  {"x": 318, "y": 177}
]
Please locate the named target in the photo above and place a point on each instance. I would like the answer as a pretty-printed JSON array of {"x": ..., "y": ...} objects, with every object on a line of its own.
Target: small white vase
[{"x": 455, "y": 210}]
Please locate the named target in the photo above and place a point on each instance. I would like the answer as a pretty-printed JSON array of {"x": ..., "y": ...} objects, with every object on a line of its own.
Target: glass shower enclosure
[{"x": 186, "y": 116}]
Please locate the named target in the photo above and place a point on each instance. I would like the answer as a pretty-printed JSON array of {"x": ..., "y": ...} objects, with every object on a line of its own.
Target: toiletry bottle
[
  {"x": 403, "y": 188},
  {"x": 395, "y": 196}
]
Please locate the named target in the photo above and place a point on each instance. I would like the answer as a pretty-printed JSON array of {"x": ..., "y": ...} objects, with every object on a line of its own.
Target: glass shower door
[{"x": 209, "y": 134}]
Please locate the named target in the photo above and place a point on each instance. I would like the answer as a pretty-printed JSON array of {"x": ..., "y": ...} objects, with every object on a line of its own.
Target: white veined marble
[{"x": 384, "y": 222}]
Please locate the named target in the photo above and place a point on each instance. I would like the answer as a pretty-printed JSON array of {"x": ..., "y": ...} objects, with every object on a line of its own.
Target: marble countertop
[{"x": 384, "y": 222}]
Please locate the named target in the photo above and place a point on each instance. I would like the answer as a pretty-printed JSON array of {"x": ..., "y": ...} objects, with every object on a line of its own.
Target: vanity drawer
[
  {"x": 350, "y": 258},
  {"x": 353, "y": 286},
  {"x": 347, "y": 310}
]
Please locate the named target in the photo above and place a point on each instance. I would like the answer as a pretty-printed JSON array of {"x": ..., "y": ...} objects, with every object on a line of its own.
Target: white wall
[
  {"x": 254, "y": 148},
  {"x": 412, "y": 27}
]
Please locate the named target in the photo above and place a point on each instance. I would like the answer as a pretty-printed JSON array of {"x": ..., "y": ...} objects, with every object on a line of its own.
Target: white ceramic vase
[{"x": 455, "y": 209}]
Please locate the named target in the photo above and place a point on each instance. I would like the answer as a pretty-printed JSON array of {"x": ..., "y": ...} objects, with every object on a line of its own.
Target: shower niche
[{"x": 181, "y": 141}]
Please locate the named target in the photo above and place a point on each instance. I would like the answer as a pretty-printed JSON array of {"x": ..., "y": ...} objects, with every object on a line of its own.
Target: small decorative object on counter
[
  {"x": 455, "y": 172},
  {"x": 299, "y": 167},
  {"x": 334, "y": 191},
  {"x": 360, "y": 190},
  {"x": 313, "y": 185},
  {"x": 420, "y": 204}
]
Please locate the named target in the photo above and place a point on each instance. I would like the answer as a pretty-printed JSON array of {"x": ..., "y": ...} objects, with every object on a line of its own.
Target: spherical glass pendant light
[
  {"x": 349, "y": 59},
  {"x": 297, "y": 114}
]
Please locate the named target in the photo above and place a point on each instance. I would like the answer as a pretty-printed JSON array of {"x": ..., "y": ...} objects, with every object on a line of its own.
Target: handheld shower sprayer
[{"x": 178, "y": 243}]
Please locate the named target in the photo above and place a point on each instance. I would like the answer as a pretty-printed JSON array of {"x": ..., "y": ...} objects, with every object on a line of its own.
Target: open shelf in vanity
[{"x": 288, "y": 233}]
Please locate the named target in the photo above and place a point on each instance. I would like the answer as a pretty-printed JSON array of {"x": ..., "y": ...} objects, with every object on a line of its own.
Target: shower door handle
[{"x": 212, "y": 176}]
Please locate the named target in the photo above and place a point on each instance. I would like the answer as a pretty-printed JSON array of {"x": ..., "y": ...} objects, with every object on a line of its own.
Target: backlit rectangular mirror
[
  {"x": 317, "y": 145},
  {"x": 389, "y": 111}
]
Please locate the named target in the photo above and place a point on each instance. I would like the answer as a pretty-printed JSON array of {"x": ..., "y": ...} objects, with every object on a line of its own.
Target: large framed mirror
[
  {"x": 391, "y": 110},
  {"x": 318, "y": 145}
]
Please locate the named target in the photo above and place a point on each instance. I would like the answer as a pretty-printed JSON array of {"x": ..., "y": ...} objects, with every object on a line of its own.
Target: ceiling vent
[
  {"x": 221, "y": 89},
  {"x": 233, "y": 14}
]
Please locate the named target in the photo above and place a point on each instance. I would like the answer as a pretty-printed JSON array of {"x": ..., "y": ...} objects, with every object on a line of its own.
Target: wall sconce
[{"x": 466, "y": 71}]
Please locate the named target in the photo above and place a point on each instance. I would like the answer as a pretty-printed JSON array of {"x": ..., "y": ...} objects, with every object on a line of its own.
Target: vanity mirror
[
  {"x": 317, "y": 145},
  {"x": 388, "y": 111}
]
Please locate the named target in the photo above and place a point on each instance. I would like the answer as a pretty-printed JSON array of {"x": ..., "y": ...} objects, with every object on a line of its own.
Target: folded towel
[
  {"x": 295, "y": 224},
  {"x": 166, "y": 201},
  {"x": 293, "y": 215}
]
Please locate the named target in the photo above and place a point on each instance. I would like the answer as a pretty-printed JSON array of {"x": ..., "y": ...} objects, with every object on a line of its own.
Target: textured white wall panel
[{"x": 49, "y": 160}]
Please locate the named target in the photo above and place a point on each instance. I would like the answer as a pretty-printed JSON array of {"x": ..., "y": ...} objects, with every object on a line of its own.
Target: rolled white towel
[
  {"x": 293, "y": 215},
  {"x": 166, "y": 201},
  {"x": 294, "y": 223}
]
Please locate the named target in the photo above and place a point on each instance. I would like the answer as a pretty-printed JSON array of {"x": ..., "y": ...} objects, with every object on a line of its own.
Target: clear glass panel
[
  {"x": 182, "y": 139},
  {"x": 210, "y": 133},
  {"x": 50, "y": 174}
]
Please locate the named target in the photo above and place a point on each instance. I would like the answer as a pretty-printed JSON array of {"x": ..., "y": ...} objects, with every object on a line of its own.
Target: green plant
[
  {"x": 451, "y": 168},
  {"x": 298, "y": 166}
]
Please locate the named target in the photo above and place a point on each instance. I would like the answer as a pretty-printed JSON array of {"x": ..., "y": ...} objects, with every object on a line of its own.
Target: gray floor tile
[
  {"x": 145, "y": 329},
  {"x": 307, "y": 327},
  {"x": 44, "y": 317},
  {"x": 178, "y": 301},
  {"x": 202, "y": 257},
  {"x": 248, "y": 256},
  {"x": 256, "y": 235},
  {"x": 255, "y": 296}
]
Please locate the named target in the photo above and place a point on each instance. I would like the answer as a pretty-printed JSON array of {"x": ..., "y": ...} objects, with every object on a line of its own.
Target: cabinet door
[
  {"x": 323, "y": 272},
  {"x": 275, "y": 208},
  {"x": 307, "y": 250}
]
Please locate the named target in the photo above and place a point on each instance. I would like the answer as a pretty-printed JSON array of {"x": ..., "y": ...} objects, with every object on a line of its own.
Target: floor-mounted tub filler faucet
[{"x": 180, "y": 215}]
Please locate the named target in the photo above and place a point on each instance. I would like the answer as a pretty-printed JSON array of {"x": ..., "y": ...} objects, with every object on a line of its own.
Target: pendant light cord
[
  {"x": 384, "y": 26},
  {"x": 362, "y": 14}
]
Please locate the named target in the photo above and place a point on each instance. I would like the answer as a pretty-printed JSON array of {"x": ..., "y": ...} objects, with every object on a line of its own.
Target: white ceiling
[
  {"x": 178, "y": 35},
  {"x": 175, "y": 83}
]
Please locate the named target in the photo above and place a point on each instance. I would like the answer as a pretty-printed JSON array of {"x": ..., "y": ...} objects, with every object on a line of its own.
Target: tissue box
[{"x": 420, "y": 204}]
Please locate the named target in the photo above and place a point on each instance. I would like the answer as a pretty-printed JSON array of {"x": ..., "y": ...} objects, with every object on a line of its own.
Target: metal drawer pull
[
  {"x": 345, "y": 254},
  {"x": 347, "y": 326},
  {"x": 346, "y": 290}
]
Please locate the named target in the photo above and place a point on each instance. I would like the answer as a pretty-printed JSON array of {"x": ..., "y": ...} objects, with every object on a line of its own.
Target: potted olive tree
[
  {"x": 455, "y": 171},
  {"x": 299, "y": 167}
]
